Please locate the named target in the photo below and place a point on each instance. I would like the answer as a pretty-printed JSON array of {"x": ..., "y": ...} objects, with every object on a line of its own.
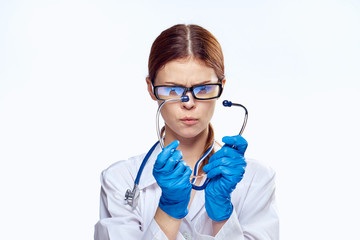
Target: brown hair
[{"x": 186, "y": 41}]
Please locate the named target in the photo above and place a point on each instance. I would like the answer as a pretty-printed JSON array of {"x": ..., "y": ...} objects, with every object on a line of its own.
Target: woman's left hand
[{"x": 225, "y": 170}]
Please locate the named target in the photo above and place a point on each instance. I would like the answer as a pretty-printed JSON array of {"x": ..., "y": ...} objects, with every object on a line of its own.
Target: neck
[{"x": 191, "y": 148}]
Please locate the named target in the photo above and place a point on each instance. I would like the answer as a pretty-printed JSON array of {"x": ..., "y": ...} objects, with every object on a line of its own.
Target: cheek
[
  {"x": 168, "y": 112},
  {"x": 208, "y": 110}
]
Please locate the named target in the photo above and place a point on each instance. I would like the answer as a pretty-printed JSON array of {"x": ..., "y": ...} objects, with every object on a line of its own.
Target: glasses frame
[{"x": 187, "y": 89}]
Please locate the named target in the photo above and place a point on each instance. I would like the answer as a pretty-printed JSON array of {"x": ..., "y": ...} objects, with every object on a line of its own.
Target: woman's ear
[
  {"x": 223, "y": 82},
  {"x": 150, "y": 88}
]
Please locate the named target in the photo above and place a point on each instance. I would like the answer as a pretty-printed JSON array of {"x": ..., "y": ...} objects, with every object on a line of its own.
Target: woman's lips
[{"x": 189, "y": 120}]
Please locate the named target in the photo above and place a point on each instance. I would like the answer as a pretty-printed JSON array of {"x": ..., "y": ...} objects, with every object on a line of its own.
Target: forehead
[{"x": 185, "y": 72}]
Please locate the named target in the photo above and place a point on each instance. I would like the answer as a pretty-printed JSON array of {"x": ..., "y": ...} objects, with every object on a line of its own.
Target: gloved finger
[
  {"x": 179, "y": 169},
  {"x": 225, "y": 171},
  {"x": 237, "y": 174},
  {"x": 227, "y": 152},
  {"x": 225, "y": 161},
  {"x": 238, "y": 141},
  {"x": 216, "y": 161},
  {"x": 218, "y": 180},
  {"x": 185, "y": 178},
  {"x": 172, "y": 161},
  {"x": 165, "y": 154}
]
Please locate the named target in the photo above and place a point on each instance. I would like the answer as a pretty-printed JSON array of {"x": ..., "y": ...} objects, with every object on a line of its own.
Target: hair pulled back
[{"x": 186, "y": 41}]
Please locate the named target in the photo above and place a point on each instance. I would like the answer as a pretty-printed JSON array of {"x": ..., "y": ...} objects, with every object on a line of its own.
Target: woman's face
[{"x": 186, "y": 119}]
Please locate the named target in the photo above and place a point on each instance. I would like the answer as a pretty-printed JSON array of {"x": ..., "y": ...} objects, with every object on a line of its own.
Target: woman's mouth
[{"x": 189, "y": 121}]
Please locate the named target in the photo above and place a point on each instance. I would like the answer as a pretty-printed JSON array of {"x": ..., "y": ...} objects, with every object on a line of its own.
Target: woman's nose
[{"x": 189, "y": 104}]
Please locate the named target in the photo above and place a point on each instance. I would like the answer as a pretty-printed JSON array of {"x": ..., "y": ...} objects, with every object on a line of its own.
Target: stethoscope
[{"x": 132, "y": 196}]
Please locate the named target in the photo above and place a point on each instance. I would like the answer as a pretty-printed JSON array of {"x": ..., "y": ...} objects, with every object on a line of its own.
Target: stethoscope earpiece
[
  {"x": 227, "y": 103},
  {"x": 184, "y": 98}
]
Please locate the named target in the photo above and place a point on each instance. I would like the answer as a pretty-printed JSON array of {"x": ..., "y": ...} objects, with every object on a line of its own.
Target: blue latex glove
[
  {"x": 225, "y": 170},
  {"x": 173, "y": 177}
]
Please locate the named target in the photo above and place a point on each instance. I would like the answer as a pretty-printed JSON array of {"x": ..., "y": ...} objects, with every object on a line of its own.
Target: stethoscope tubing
[
  {"x": 158, "y": 131},
  {"x": 185, "y": 98},
  {"x": 131, "y": 196}
]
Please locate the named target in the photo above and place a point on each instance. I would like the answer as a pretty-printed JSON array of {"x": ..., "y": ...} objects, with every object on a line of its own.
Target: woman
[{"x": 238, "y": 202}]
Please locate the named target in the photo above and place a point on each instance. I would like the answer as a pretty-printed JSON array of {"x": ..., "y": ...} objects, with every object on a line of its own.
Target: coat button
[{"x": 187, "y": 236}]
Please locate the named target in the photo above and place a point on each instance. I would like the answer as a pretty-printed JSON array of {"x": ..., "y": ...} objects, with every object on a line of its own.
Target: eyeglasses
[{"x": 200, "y": 92}]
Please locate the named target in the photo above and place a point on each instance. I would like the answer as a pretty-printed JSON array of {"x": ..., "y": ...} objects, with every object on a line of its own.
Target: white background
[{"x": 73, "y": 100}]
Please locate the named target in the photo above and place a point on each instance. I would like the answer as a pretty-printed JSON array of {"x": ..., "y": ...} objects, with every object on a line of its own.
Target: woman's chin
[{"x": 190, "y": 133}]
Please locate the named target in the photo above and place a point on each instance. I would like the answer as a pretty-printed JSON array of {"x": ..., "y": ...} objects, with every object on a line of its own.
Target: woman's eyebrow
[
  {"x": 205, "y": 82},
  {"x": 196, "y": 84},
  {"x": 172, "y": 83}
]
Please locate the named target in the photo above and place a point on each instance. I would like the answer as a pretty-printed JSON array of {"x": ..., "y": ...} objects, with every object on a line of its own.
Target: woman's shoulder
[
  {"x": 259, "y": 167},
  {"x": 125, "y": 164},
  {"x": 122, "y": 170}
]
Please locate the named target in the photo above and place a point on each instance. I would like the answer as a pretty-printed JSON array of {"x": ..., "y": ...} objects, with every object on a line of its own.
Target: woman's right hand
[{"x": 173, "y": 177}]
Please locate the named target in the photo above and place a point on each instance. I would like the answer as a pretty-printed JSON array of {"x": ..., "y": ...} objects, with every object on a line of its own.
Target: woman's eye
[
  {"x": 203, "y": 90},
  {"x": 172, "y": 92}
]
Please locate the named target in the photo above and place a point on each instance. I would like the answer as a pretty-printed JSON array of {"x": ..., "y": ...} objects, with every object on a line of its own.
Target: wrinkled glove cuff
[
  {"x": 175, "y": 210},
  {"x": 219, "y": 209}
]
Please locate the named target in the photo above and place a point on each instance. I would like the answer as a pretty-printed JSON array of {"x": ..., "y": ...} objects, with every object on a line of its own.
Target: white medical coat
[{"x": 254, "y": 216}]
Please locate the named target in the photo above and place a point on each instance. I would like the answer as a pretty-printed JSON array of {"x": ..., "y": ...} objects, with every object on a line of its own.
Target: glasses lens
[
  {"x": 169, "y": 92},
  {"x": 207, "y": 91}
]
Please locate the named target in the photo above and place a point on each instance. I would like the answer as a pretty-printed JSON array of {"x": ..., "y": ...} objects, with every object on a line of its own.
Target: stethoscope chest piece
[{"x": 132, "y": 197}]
